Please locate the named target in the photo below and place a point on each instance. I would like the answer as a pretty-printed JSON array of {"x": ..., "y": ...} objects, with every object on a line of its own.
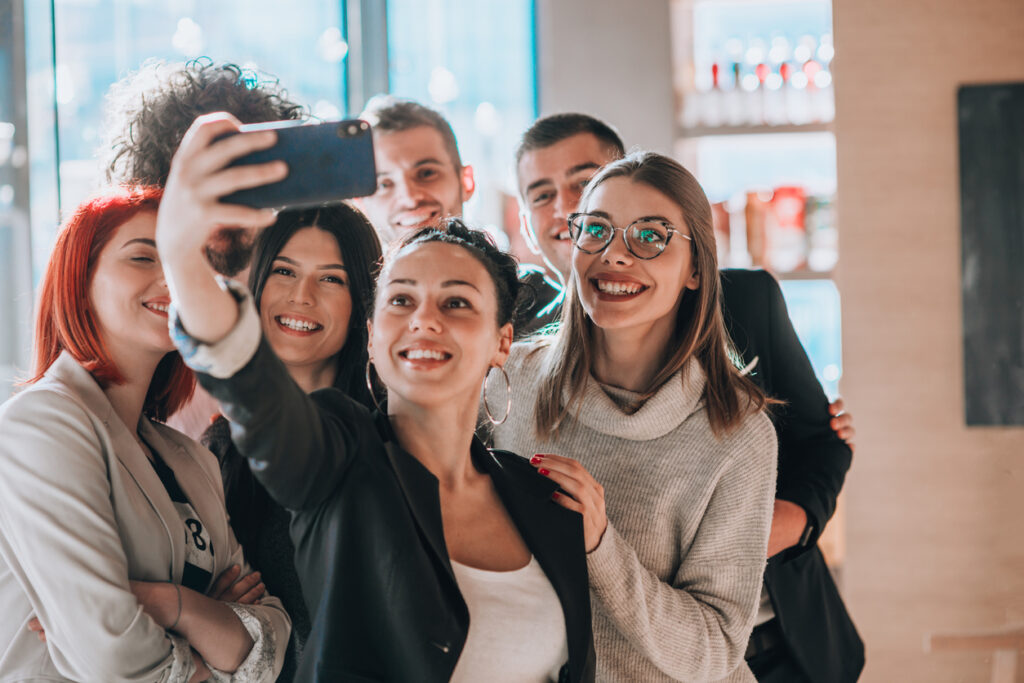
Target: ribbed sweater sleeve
[{"x": 695, "y": 626}]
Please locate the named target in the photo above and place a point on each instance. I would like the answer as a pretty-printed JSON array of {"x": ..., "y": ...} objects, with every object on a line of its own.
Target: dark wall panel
[{"x": 991, "y": 121}]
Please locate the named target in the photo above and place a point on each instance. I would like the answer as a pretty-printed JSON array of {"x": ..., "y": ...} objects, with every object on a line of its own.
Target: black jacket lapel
[{"x": 555, "y": 537}]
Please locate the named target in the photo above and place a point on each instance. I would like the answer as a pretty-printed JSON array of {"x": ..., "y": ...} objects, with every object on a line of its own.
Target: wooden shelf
[{"x": 708, "y": 131}]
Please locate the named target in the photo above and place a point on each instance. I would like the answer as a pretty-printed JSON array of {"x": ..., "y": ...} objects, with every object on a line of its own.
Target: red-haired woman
[{"x": 112, "y": 525}]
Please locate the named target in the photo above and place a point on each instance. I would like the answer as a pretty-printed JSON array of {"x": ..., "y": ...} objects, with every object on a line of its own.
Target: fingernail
[
  {"x": 555, "y": 496},
  {"x": 543, "y": 471},
  {"x": 536, "y": 458}
]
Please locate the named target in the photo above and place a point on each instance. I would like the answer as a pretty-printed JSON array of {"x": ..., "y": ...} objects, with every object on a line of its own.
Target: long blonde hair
[{"x": 699, "y": 330}]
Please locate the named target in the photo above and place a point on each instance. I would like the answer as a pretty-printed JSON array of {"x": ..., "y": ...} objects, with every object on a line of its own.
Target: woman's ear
[
  {"x": 694, "y": 281},
  {"x": 505, "y": 335},
  {"x": 369, "y": 338}
]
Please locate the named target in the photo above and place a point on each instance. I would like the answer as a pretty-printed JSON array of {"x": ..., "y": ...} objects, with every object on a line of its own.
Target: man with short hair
[
  {"x": 421, "y": 179},
  {"x": 420, "y": 175},
  {"x": 803, "y": 632}
]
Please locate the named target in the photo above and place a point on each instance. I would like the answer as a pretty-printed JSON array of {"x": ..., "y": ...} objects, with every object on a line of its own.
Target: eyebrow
[
  {"x": 585, "y": 166},
  {"x": 140, "y": 240},
  {"x": 326, "y": 266},
  {"x": 421, "y": 162},
  {"x": 446, "y": 283},
  {"x": 604, "y": 214}
]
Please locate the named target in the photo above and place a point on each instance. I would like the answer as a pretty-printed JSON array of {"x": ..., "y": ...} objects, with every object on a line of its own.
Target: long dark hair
[
  {"x": 247, "y": 501},
  {"x": 361, "y": 252}
]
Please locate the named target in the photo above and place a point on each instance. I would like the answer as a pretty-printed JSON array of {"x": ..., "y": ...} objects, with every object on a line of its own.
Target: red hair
[{"x": 65, "y": 321}]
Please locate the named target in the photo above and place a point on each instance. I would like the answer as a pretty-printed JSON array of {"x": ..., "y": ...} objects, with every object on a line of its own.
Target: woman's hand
[
  {"x": 191, "y": 214},
  {"x": 200, "y": 175},
  {"x": 585, "y": 495},
  {"x": 244, "y": 591}
]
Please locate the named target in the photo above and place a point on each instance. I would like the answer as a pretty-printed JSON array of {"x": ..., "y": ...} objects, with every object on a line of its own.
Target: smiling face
[
  {"x": 618, "y": 290},
  {"x": 418, "y": 182},
  {"x": 434, "y": 333},
  {"x": 306, "y": 303},
  {"x": 127, "y": 291},
  {"x": 551, "y": 182}
]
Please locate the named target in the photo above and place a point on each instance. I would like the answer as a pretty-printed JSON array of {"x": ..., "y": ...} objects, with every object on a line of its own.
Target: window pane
[{"x": 473, "y": 60}]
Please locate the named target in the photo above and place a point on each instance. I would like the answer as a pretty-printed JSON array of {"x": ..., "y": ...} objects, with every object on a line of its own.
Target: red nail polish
[
  {"x": 555, "y": 496},
  {"x": 535, "y": 459},
  {"x": 543, "y": 471}
]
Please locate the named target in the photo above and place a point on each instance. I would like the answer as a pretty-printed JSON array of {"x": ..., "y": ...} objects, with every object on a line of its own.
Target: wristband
[{"x": 177, "y": 588}]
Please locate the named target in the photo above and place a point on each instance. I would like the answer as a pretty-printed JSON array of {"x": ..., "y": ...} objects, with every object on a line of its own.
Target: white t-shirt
[{"x": 516, "y": 626}]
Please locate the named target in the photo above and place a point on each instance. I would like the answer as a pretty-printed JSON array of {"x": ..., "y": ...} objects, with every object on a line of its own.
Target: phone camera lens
[{"x": 353, "y": 129}]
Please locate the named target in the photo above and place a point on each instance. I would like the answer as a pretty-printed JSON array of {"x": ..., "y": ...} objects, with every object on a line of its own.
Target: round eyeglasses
[{"x": 644, "y": 238}]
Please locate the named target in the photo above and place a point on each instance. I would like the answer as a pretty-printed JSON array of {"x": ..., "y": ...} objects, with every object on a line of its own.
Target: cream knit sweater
[{"x": 676, "y": 579}]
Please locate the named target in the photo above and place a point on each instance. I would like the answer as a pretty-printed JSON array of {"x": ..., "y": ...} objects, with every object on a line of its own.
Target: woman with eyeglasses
[{"x": 636, "y": 411}]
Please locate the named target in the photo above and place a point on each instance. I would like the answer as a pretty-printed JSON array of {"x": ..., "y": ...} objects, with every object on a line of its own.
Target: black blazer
[
  {"x": 367, "y": 528},
  {"x": 812, "y": 466}
]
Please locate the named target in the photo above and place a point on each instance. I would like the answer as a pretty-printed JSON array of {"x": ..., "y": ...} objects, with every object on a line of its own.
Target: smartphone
[{"x": 327, "y": 162}]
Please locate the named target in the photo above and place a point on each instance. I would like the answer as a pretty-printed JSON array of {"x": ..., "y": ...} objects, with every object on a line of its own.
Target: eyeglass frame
[{"x": 672, "y": 230}]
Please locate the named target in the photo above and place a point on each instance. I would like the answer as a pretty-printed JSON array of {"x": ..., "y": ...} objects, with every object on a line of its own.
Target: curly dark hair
[
  {"x": 149, "y": 111},
  {"x": 501, "y": 266}
]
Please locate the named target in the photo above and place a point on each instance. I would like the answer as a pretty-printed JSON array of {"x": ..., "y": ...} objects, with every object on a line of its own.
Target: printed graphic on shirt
[{"x": 199, "y": 562}]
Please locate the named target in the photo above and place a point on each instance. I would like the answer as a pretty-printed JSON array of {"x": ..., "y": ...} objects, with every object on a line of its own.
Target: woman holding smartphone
[
  {"x": 635, "y": 410},
  {"x": 112, "y": 525},
  {"x": 407, "y": 529},
  {"x": 312, "y": 282}
]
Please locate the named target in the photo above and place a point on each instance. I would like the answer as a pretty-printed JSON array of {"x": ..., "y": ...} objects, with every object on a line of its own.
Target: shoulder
[
  {"x": 527, "y": 355},
  {"x": 754, "y": 440},
  {"x": 47, "y": 407}
]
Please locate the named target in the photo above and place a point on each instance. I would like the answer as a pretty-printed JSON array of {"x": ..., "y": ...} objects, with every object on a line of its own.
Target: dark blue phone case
[{"x": 327, "y": 162}]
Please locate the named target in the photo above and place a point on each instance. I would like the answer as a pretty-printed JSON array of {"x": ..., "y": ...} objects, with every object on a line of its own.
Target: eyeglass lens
[{"x": 644, "y": 238}]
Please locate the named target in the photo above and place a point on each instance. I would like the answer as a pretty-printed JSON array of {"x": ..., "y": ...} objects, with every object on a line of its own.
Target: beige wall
[{"x": 935, "y": 517}]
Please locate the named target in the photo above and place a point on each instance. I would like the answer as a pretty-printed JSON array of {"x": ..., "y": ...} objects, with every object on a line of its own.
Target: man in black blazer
[{"x": 804, "y": 632}]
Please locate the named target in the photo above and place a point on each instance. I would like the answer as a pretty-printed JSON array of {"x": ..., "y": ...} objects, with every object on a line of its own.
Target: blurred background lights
[
  {"x": 487, "y": 119},
  {"x": 443, "y": 86},
  {"x": 65, "y": 84},
  {"x": 188, "y": 38},
  {"x": 326, "y": 111},
  {"x": 330, "y": 46}
]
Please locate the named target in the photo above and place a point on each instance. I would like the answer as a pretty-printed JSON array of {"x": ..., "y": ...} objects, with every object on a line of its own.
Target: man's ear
[{"x": 468, "y": 183}]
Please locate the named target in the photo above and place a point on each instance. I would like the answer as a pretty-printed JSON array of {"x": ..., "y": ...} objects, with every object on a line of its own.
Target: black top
[
  {"x": 541, "y": 303},
  {"x": 197, "y": 573},
  {"x": 813, "y": 462},
  {"x": 369, "y": 539},
  {"x": 261, "y": 527}
]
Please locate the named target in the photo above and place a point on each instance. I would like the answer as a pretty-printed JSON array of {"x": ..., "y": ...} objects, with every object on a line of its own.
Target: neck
[
  {"x": 630, "y": 358},
  {"x": 439, "y": 436},
  {"x": 128, "y": 398},
  {"x": 313, "y": 377}
]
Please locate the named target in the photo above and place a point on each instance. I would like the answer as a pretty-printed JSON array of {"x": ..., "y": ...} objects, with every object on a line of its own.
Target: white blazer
[{"x": 82, "y": 512}]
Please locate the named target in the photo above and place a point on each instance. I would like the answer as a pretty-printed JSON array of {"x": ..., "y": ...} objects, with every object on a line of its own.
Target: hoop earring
[
  {"x": 369, "y": 386},
  {"x": 508, "y": 396}
]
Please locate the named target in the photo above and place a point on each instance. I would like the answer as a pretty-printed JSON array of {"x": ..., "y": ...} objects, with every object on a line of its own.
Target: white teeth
[
  {"x": 420, "y": 354},
  {"x": 562, "y": 236},
  {"x": 163, "y": 308},
  {"x": 620, "y": 288},
  {"x": 298, "y": 325}
]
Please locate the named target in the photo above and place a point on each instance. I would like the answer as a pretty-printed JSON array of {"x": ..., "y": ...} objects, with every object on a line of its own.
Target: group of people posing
[{"x": 428, "y": 463}]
